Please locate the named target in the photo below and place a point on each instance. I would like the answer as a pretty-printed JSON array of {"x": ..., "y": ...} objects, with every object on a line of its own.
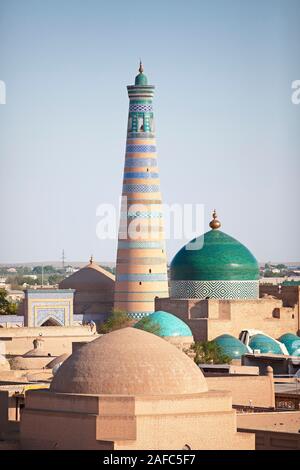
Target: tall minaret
[{"x": 141, "y": 272}]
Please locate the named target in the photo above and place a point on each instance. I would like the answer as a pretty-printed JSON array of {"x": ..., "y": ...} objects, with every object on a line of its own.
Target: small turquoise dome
[
  {"x": 292, "y": 343},
  {"x": 169, "y": 324},
  {"x": 141, "y": 80},
  {"x": 264, "y": 344},
  {"x": 231, "y": 346}
]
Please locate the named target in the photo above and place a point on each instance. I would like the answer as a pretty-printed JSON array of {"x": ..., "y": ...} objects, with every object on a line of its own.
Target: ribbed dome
[
  {"x": 57, "y": 360},
  {"x": 292, "y": 343},
  {"x": 141, "y": 80},
  {"x": 265, "y": 344},
  {"x": 220, "y": 257},
  {"x": 129, "y": 362},
  {"x": 169, "y": 325},
  {"x": 231, "y": 346}
]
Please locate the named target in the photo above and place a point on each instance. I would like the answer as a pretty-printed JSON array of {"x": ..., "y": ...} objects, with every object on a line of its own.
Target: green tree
[
  {"x": 117, "y": 319},
  {"x": 149, "y": 325},
  {"x": 55, "y": 279},
  {"x": 6, "y": 307},
  {"x": 48, "y": 269},
  {"x": 209, "y": 352},
  {"x": 281, "y": 266}
]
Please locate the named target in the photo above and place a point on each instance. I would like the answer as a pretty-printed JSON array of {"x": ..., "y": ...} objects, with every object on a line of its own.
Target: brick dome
[{"x": 129, "y": 362}]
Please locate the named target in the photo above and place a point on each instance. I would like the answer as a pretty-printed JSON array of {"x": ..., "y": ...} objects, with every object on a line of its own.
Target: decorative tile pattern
[
  {"x": 141, "y": 277},
  {"x": 140, "y": 174},
  {"x": 132, "y": 148},
  {"x": 140, "y": 108},
  {"x": 43, "y": 314},
  {"x": 214, "y": 289},
  {"x": 138, "y": 315},
  {"x": 140, "y": 162},
  {"x": 136, "y": 244},
  {"x": 141, "y": 135},
  {"x": 145, "y": 215},
  {"x": 140, "y": 188},
  {"x": 50, "y": 294}
]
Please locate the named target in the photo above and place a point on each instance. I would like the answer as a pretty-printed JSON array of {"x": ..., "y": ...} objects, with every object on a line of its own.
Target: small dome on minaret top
[
  {"x": 141, "y": 79},
  {"x": 214, "y": 223}
]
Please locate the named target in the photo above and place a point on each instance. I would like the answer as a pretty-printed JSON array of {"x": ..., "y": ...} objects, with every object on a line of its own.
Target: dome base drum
[{"x": 215, "y": 289}]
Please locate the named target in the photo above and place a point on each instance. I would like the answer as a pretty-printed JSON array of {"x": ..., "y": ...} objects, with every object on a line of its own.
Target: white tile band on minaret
[{"x": 141, "y": 268}]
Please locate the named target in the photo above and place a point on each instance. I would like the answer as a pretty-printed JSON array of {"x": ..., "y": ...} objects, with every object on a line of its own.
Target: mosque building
[
  {"x": 215, "y": 289},
  {"x": 141, "y": 267}
]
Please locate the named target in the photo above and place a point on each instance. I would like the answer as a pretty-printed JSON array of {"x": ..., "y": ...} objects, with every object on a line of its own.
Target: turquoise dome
[
  {"x": 292, "y": 343},
  {"x": 220, "y": 258},
  {"x": 141, "y": 79},
  {"x": 264, "y": 344},
  {"x": 231, "y": 346},
  {"x": 169, "y": 324}
]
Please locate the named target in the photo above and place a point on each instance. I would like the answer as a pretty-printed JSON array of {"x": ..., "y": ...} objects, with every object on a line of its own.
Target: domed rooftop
[
  {"x": 91, "y": 278},
  {"x": 231, "y": 346},
  {"x": 265, "y": 344},
  {"x": 292, "y": 343},
  {"x": 38, "y": 349},
  {"x": 169, "y": 325},
  {"x": 129, "y": 362},
  {"x": 219, "y": 257},
  {"x": 57, "y": 360},
  {"x": 141, "y": 79}
]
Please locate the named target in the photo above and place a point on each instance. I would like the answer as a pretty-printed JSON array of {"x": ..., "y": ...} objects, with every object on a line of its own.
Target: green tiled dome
[
  {"x": 169, "y": 325},
  {"x": 231, "y": 346},
  {"x": 292, "y": 343},
  {"x": 221, "y": 257},
  {"x": 141, "y": 79},
  {"x": 265, "y": 344}
]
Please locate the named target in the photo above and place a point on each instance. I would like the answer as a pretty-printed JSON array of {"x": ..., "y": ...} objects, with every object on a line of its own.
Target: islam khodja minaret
[{"x": 141, "y": 271}]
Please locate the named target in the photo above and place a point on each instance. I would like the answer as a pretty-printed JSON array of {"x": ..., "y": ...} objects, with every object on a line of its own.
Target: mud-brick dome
[{"x": 129, "y": 362}]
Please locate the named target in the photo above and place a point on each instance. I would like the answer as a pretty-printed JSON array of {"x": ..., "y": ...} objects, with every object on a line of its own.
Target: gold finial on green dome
[
  {"x": 141, "y": 68},
  {"x": 91, "y": 259},
  {"x": 215, "y": 223}
]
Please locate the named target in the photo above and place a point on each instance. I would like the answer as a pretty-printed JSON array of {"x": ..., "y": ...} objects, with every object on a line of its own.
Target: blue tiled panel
[
  {"x": 141, "y": 148},
  {"x": 140, "y": 162}
]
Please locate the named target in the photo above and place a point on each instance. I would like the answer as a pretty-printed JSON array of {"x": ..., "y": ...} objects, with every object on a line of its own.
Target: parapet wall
[
  {"x": 211, "y": 318},
  {"x": 256, "y": 391},
  {"x": 57, "y": 340}
]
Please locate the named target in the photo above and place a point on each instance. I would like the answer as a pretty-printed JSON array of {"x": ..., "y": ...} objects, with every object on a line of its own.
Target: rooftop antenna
[{"x": 63, "y": 258}]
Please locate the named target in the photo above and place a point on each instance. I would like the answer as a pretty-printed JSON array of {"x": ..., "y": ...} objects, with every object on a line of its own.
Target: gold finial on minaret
[
  {"x": 91, "y": 259},
  {"x": 141, "y": 68},
  {"x": 215, "y": 223}
]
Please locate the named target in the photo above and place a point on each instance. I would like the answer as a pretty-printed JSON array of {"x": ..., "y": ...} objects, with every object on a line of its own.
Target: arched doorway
[{"x": 51, "y": 322}]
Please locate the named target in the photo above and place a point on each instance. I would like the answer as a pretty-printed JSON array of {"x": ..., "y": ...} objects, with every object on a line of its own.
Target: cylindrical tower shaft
[{"x": 141, "y": 271}]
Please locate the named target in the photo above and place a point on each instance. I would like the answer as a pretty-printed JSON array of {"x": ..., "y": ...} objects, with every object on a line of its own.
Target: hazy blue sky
[{"x": 227, "y": 131}]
